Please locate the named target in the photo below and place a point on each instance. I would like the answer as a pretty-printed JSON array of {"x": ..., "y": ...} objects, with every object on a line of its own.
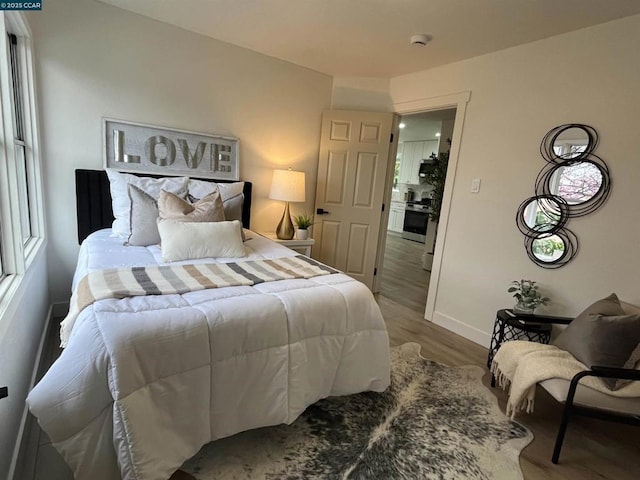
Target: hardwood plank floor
[{"x": 403, "y": 278}]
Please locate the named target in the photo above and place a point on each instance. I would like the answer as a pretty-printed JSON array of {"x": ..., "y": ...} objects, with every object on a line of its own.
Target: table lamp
[{"x": 287, "y": 186}]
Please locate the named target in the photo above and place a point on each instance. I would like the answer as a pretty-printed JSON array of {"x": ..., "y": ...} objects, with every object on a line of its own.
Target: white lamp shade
[{"x": 287, "y": 186}]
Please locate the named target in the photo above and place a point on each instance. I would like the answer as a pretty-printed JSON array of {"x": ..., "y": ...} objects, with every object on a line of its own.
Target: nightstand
[
  {"x": 510, "y": 325},
  {"x": 300, "y": 246}
]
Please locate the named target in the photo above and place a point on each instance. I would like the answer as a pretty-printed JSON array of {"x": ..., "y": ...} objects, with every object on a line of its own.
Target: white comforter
[{"x": 146, "y": 381}]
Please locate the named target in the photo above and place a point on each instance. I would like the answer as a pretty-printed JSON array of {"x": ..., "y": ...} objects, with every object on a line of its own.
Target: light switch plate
[{"x": 475, "y": 185}]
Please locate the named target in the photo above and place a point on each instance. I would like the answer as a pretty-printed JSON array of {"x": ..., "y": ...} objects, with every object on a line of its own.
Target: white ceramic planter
[{"x": 302, "y": 234}]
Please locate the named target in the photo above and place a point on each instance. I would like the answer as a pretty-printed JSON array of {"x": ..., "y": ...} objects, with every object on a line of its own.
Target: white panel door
[{"x": 354, "y": 159}]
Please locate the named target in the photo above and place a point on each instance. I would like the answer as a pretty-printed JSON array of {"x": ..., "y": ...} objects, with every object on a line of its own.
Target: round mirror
[
  {"x": 584, "y": 185},
  {"x": 576, "y": 182},
  {"x": 548, "y": 249},
  {"x": 552, "y": 250},
  {"x": 572, "y": 141},
  {"x": 542, "y": 214}
]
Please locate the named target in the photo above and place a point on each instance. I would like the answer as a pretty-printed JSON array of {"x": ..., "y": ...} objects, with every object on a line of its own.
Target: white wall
[
  {"x": 361, "y": 93},
  {"x": 21, "y": 327},
  {"x": 589, "y": 76},
  {"x": 94, "y": 60}
]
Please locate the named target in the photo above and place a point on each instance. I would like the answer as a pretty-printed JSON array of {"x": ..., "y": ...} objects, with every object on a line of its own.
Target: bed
[{"x": 145, "y": 381}]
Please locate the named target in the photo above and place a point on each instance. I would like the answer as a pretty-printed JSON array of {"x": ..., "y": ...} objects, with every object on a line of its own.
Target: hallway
[{"x": 403, "y": 279}]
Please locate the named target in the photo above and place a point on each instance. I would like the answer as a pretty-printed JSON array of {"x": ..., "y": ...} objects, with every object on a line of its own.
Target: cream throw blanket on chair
[{"x": 519, "y": 365}]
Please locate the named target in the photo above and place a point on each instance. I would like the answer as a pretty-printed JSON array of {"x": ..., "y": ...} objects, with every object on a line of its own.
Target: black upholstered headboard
[{"x": 93, "y": 202}]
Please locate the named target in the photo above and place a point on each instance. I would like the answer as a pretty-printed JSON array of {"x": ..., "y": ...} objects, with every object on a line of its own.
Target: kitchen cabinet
[
  {"x": 412, "y": 155},
  {"x": 429, "y": 147},
  {"x": 396, "y": 217}
]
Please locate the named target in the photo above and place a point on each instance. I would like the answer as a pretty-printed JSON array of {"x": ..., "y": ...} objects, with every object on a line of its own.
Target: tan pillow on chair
[
  {"x": 608, "y": 306},
  {"x": 604, "y": 335}
]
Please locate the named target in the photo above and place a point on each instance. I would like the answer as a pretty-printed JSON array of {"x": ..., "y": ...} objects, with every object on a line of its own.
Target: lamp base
[{"x": 285, "y": 227}]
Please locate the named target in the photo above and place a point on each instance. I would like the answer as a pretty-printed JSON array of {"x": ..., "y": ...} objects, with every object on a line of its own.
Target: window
[
  {"x": 21, "y": 218},
  {"x": 19, "y": 140}
]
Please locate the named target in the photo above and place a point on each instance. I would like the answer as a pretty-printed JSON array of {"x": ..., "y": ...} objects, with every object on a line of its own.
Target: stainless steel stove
[{"x": 416, "y": 218}]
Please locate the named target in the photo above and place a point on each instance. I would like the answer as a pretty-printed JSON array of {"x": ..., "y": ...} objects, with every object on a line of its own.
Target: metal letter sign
[{"x": 135, "y": 147}]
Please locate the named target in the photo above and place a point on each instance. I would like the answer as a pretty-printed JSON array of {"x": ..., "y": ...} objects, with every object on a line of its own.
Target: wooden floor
[
  {"x": 403, "y": 278},
  {"x": 592, "y": 450}
]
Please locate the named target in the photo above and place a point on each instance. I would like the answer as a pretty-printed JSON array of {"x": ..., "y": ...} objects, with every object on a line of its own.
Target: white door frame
[{"x": 459, "y": 101}]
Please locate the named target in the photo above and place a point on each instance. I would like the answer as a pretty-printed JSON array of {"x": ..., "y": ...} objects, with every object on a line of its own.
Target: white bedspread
[{"x": 146, "y": 381}]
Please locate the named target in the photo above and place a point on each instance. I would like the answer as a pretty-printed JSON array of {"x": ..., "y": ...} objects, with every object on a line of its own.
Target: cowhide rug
[{"x": 433, "y": 422}]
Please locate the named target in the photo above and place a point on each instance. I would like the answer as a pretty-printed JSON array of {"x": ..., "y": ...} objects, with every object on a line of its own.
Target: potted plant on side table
[
  {"x": 303, "y": 222},
  {"x": 527, "y": 296}
]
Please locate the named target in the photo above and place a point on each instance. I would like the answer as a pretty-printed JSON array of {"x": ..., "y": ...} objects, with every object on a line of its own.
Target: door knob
[{"x": 321, "y": 211}]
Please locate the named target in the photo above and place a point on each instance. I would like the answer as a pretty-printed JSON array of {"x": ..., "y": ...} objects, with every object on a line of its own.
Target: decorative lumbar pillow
[
  {"x": 143, "y": 219},
  {"x": 604, "y": 335},
  {"x": 121, "y": 202},
  {"x": 207, "y": 209},
  {"x": 193, "y": 240},
  {"x": 231, "y": 193}
]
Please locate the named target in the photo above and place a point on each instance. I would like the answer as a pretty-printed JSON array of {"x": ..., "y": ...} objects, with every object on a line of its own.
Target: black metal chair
[
  {"x": 571, "y": 407},
  {"x": 581, "y": 400}
]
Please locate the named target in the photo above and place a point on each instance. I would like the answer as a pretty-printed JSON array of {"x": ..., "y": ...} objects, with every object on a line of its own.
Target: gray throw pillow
[
  {"x": 233, "y": 207},
  {"x": 144, "y": 218},
  {"x": 596, "y": 338},
  {"x": 608, "y": 306}
]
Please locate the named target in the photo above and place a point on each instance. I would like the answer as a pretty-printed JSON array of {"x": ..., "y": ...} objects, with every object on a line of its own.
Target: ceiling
[{"x": 371, "y": 38}]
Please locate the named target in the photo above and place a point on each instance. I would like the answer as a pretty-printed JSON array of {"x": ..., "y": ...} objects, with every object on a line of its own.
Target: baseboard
[
  {"x": 462, "y": 329},
  {"x": 23, "y": 464}
]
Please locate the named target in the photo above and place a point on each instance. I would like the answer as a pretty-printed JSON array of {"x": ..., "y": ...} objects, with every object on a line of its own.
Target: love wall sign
[{"x": 136, "y": 147}]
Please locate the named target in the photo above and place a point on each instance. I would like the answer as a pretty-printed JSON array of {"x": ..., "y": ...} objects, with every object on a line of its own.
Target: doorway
[{"x": 424, "y": 145}]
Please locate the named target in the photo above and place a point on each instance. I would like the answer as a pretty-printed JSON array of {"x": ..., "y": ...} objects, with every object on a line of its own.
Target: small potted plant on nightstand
[
  {"x": 303, "y": 222},
  {"x": 527, "y": 296}
]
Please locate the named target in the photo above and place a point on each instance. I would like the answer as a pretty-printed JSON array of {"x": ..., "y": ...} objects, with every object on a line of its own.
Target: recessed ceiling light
[
  {"x": 438, "y": 134},
  {"x": 421, "y": 39},
  {"x": 402, "y": 125}
]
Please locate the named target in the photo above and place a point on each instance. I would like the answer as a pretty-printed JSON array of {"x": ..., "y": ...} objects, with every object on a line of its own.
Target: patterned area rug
[{"x": 433, "y": 422}]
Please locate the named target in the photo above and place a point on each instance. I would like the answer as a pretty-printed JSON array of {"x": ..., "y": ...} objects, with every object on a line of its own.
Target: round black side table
[{"x": 510, "y": 325}]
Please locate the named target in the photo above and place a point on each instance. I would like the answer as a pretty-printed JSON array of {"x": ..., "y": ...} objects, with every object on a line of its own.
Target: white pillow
[
  {"x": 121, "y": 203},
  {"x": 231, "y": 193},
  {"x": 193, "y": 240}
]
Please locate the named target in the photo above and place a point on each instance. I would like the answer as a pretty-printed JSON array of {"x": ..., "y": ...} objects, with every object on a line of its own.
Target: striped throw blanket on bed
[{"x": 177, "y": 279}]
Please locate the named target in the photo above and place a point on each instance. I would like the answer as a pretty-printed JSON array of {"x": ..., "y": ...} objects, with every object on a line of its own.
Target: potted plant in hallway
[
  {"x": 303, "y": 222},
  {"x": 527, "y": 296}
]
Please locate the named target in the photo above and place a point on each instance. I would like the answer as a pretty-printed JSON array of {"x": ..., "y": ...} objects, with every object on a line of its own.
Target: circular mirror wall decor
[
  {"x": 552, "y": 250},
  {"x": 575, "y": 182},
  {"x": 542, "y": 214},
  {"x": 572, "y": 141},
  {"x": 584, "y": 184}
]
